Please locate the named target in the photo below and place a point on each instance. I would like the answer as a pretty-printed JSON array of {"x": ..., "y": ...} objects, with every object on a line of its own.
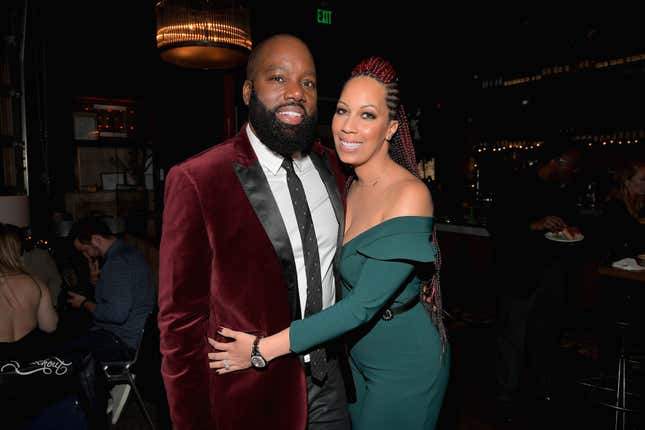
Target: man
[
  {"x": 123, "y": 298},
  {"x": 123, "y": 295},
  {"x": 530, "y": 208},
  {"x": 231, "y": 254}
]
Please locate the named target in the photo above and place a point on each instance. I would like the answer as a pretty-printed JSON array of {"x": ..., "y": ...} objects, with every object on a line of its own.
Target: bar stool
[
  {"x": 618, "y": 391},
  {"x": 619, "y": 384}
]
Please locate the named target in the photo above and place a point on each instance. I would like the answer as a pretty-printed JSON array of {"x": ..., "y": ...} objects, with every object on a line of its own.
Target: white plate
[
  {"x": 627, "y": 264},
  {"x": 553, "y": 236}
]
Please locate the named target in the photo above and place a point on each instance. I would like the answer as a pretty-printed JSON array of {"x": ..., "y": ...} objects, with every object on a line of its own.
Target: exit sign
[{"x": 323, "y": 16}]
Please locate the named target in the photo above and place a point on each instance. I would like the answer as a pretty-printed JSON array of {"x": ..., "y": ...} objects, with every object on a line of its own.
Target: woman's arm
[
  {"x": 379, "y": 280},
  {"x": 237, "y": 354},
  {"x": 47, "y": 316}
]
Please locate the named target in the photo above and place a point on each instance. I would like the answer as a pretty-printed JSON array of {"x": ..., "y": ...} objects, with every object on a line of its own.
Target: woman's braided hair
[{"x": 401, "y": 150}]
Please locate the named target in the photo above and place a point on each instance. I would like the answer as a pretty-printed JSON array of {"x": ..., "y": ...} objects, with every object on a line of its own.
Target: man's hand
[
  {"x": 95, "y": 272},
  {"x": 75, "y": 300},
  {"x": 551, "y": 223}
]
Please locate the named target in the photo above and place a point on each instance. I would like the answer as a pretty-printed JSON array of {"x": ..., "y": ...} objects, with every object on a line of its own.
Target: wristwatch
[{"x": 257, "y": 360}]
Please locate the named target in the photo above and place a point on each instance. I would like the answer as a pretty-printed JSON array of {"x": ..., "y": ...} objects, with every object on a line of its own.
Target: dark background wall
[{"x": 443, "y": 54}]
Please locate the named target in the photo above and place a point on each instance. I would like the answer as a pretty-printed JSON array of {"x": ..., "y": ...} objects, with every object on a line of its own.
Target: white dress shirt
[{"x": 322, "y": 214}]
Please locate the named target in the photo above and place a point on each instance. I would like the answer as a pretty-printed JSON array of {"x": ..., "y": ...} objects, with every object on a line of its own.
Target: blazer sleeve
[
  {"x": 184, "y": 289},
  {"x": 389, "y": 264}
]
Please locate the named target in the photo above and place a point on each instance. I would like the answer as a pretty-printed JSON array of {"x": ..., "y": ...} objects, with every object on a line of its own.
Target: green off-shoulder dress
[{"x": 397, "y": 365}]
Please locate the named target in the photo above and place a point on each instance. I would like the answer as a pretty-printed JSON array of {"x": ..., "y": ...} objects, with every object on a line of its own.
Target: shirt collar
[{"x": 269, "y": 159}]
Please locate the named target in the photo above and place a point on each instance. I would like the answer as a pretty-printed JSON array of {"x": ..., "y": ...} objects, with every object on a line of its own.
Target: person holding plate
[{"x": 529, "y": 208}]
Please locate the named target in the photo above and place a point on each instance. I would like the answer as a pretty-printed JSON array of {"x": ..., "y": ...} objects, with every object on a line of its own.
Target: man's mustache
[{"x": 300, "y": 105}]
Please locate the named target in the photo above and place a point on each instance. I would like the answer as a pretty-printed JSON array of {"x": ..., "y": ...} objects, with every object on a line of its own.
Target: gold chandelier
[{"x": 203, "y": 34}]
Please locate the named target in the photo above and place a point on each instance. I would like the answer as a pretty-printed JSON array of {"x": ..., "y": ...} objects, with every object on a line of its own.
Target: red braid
[
  {"x": 401, "y": 143},
  {"x": 376, "y": 67}
]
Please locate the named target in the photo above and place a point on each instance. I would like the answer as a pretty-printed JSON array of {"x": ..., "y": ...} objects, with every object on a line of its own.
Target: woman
[
  {"x": 28, "y": 384},
  {"x": 25, "y": 303},
  {"x": 398, "y": 353},
  {"x": 624, "y": 216}
]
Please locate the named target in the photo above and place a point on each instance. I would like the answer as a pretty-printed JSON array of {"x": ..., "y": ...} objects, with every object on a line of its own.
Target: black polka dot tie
[{"x": 318, "y": 358}]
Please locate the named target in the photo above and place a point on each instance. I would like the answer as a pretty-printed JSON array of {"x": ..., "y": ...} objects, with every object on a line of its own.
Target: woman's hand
[{"x": 231, "y": 356}]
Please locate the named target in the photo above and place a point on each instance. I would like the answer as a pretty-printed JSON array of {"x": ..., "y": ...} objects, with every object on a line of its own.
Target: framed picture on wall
[
  {"x": 85, "y": 126},
  {"x": 111, "y": 180}
]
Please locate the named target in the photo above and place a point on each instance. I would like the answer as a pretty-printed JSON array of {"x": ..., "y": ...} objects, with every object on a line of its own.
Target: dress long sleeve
[{"x": 390, "y": 260}]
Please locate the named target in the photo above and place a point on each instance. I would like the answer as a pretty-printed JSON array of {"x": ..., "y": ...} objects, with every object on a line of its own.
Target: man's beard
[{"x": 284, "y": 139}]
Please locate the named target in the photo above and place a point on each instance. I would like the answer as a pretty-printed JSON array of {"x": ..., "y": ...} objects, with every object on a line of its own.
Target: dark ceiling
[
  {"x": 437, "y": 50},
  {"x": 106, "y": 48}
]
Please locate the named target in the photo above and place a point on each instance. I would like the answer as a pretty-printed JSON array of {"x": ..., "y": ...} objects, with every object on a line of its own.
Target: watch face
[{"x": 258, "y": 361}]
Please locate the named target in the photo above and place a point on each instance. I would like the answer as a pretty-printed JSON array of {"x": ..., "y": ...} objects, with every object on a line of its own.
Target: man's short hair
[{"x": 84, "y": 228}]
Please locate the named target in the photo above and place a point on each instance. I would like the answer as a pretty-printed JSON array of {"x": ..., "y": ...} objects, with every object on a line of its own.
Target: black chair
[{"x": 120, "y": 373}]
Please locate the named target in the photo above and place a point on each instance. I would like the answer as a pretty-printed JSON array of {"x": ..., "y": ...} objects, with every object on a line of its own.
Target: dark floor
[{"x": 469, "y": 402}]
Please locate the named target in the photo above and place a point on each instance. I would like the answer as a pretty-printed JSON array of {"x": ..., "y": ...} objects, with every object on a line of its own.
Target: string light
[{"x": 556, "y": 70}]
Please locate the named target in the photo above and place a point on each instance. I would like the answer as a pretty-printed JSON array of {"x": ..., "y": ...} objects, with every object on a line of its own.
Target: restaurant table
[{"x": 614, "y": 272}]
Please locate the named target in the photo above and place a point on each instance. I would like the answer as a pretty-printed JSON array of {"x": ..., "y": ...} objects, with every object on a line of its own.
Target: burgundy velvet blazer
[{"x": 226, "y": 259}]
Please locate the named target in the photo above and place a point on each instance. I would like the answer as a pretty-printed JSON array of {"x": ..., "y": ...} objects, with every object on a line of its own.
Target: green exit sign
[{"x": 323, "y": 16}]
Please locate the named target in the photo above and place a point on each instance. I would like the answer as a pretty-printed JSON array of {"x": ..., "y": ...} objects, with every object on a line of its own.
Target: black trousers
[
  {"x": 528, "y": 332},
  {"x": 99, "y": 345},
  {"x": 328, "y": 401}
]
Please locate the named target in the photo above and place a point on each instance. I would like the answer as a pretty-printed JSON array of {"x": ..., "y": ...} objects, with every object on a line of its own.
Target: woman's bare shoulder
[
  {"x": 24, "y": 282},
  {"x": 409, "y": 197}
]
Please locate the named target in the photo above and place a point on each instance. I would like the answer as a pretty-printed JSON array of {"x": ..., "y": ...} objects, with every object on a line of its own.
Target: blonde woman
[
  {"x": 624, "y": 216},
  {"x": 26, "y": 308},
  {"x": 632, "y": 188}
]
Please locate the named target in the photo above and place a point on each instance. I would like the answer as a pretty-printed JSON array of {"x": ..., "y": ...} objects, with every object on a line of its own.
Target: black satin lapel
[
  {"x": 324, "y": 170},
  {"x": 259, "y": 193}
]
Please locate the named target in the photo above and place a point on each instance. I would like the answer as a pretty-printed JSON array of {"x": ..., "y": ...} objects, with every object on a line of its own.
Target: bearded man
[{"x": 232, "y": 255}]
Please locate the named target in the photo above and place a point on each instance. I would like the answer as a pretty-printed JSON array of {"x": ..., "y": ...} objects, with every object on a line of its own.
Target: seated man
[
  {"x": 124, "y": 294},
  {"x": 123, "y": 298}
]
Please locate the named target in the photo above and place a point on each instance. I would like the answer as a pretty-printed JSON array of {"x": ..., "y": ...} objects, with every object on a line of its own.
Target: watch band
[{"x": 257, "y": 360}]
